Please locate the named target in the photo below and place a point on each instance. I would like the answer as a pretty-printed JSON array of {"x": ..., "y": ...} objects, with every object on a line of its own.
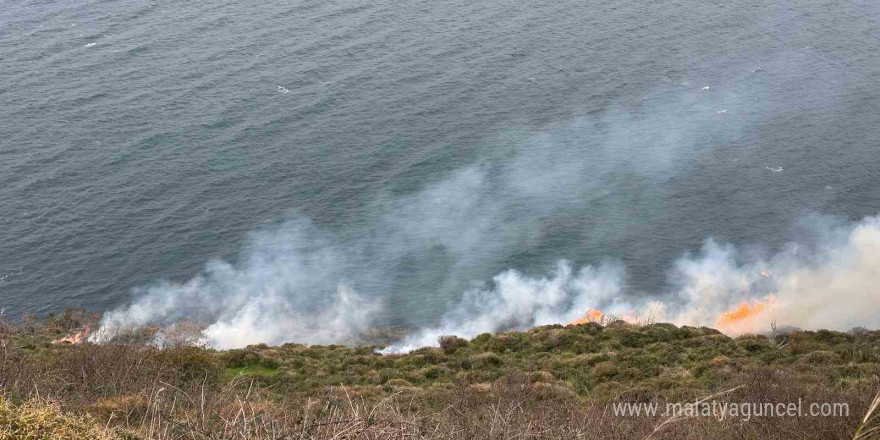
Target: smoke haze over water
[
  {"x": 305, "y": 170},
  {"x": 484, "y": 249},
  {"x": 829, "y": 282}
]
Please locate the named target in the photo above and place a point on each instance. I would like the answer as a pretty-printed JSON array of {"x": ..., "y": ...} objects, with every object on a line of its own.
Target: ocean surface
[{"x": 413, "y": 150}]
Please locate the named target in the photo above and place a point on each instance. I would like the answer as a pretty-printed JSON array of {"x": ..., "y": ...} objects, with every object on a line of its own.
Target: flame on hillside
[
  {"x": 743, "y": 319},
  {"x": 79, "y": 337},
  {"x": 592, "y": 315}
]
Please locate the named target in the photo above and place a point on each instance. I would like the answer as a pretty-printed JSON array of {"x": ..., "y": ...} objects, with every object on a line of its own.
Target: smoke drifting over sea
[
  {"x": 432, "y": 253},
  {"x": 828, "y": 283},
  {"x": 290, "y": 288},
  {"x": 831, "y": 284}
]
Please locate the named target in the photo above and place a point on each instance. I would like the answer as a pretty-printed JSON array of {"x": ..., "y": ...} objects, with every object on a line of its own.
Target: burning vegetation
[
  {"x": 748, "y": 317},
  {"x": 744, "y": 318},
  {"x": 77, "y": 337},
  {"x": 592, "y": 315}
]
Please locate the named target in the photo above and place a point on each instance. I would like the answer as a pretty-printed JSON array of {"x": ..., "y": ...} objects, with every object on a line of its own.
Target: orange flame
[
  {"x": 742, "y": 318},
  {"x": 739, "y": 320},
  {"x": 592, "y": 315},
  {"x": 75, "y": 338}
]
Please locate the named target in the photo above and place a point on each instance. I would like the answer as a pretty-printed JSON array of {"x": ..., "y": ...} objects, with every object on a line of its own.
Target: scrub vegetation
[{"x": 549, "y": 382}]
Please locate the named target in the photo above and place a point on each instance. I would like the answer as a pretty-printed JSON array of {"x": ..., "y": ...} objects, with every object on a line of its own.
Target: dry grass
[
  {"x": 868, "y": 428},
  {"x": 39, "y": 420},
  {"x": 513, "y": 408},
  {"x": 549, "y": 383}
]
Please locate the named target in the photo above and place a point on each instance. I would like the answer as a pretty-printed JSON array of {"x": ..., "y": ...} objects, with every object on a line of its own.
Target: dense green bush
[{"x": 451, "y": 344}]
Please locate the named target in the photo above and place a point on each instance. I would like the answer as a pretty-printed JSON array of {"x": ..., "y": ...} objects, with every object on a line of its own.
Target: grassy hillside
[{"x": 548, "y": 382}]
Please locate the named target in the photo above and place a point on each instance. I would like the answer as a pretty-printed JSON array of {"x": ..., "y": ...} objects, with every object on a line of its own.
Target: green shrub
[
  {"x": 398, "y": 383},
  {"x": 508, "y": 342},
  {"x": 820, "y": 357},
  {"x": 451, "y": 344},
  {"x": 606, "y": 370},
  {"x": 486, "y": 360},
  {"x": 239, "y": 358},
  {"x": 189, "y": 364},
  {"x": 432, "y": 372}
]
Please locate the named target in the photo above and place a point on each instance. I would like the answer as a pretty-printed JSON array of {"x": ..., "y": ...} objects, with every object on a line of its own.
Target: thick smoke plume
[
  {"x": 289, "y": 288},
  {"x": 829, "y": 281},
  {"x": 298, "y": 282},
  {"x": 832, "y": 283},
  {"x": 518, "y": 302},
  {"x": 427, "y": 257}
]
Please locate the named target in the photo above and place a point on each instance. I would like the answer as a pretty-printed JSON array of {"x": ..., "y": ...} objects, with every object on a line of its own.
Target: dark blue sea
[{"x": 410, "y": 151}]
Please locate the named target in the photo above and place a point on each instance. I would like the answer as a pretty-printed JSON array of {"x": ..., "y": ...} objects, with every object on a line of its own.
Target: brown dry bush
[
  {"x": 510, "y": 408},
  {"x": 36, "y": 420},
  {"x": 142, "y": 392}
]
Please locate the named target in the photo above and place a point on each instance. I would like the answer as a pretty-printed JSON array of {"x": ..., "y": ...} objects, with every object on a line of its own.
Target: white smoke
[
  {"x": 417, "y": 253},
  {"x": 272, "y": 319},
  {"x": 290, "y": 288},
  {"x": 297, "y": 282},
  {"x": 518, "y": 302},
  {"x": 830, "y": 281},
  {"x": 831, "y": 284}
]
